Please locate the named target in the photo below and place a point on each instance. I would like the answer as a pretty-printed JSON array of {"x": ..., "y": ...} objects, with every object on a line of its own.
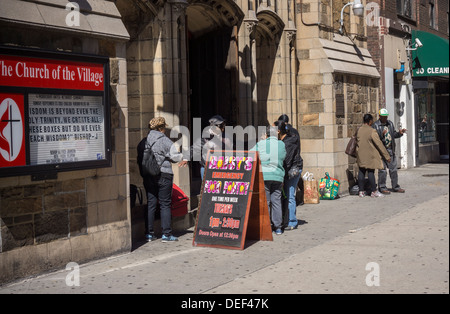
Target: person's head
[
  {"x": 282, "y": 128},
  {"x": 157, "y": 124},
  {"x": 368, "y": 119},
  {"x": 218, "y": 121},
  {"x": 284, "y": 118},
  {"x": 383, "y": 114},
  {"x": 271, "y": 131}
]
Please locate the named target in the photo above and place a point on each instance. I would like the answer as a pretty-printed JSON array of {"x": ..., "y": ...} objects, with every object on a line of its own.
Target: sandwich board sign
[{"x": 233, "y": 205}]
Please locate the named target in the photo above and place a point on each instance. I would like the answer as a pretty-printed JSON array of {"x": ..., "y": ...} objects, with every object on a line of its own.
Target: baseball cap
[
  {"x": 383, "y": 112},
  {"x": 216, "y": 120}
]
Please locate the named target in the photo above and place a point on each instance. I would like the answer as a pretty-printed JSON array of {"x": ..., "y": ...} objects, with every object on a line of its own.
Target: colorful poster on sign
[
  {"x": 12, "y": 130},
  {"x": 226, "y": 197}
]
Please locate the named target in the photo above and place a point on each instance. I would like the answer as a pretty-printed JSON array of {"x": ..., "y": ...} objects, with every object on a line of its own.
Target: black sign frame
[
  {"x": 219, "y": 214},
  {"x": 44, "y": 171}
]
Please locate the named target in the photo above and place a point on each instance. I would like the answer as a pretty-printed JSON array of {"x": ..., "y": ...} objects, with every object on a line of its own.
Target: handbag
[
  {"x": 328, "y": 187},
  {"x": 351, "y": 146}
]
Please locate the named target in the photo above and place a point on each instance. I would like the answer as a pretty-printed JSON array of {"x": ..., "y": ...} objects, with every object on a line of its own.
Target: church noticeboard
[
  {"x": 53, "y": 112},
  {"x": 233, "y": 204}
]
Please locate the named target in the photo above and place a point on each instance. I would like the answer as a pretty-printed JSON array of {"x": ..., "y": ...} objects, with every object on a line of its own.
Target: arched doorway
[
  {"x": 213, "y": 77},
  {"x": 212, "y": 27}
]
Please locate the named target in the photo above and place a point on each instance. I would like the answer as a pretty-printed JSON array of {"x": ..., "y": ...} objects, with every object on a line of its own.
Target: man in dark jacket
[
  {"x": 387, "y": 133},
  {"x": 215, "y": 141}
]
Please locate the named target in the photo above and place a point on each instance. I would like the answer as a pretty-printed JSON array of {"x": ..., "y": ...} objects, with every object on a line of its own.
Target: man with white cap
[{"x": 387, "y": 133}]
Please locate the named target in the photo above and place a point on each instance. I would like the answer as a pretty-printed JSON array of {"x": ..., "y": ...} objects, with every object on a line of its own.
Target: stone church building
[
  {"x": 250, "y": 61},
  {"x": 247, "y": 60}
]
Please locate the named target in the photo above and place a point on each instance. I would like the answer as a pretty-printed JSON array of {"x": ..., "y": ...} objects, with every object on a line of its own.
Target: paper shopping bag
[{"x": 311, "y": 192}]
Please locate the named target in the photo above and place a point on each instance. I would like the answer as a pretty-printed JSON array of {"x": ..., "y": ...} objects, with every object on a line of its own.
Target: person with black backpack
[{"x": 155, "y": 166}]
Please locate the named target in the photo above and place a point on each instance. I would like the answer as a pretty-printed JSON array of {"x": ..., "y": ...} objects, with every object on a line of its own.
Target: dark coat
[
  {"x": 293, "y": 158},
  {"x": 394, "y": 134}
]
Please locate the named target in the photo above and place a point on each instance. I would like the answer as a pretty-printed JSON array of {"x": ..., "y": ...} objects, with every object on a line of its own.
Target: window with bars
[{"x": 432, "y": 14}]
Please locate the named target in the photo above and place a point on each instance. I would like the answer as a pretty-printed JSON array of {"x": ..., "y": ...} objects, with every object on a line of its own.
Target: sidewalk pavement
[{"x": 395, "y": 244}]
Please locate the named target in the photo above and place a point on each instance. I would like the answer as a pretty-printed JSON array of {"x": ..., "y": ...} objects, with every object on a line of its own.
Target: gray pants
[
  {"x": 273, "y": 194},
  {"x": 382, "y": 174}
]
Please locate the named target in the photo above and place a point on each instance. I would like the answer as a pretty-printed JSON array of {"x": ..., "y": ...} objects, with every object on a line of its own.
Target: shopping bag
[
  {"x": 328, "y": 187},
  {"x": 311, "y": 192}
]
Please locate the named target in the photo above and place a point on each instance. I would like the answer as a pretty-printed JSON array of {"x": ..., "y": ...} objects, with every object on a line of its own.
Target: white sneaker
[
  {"x": 376, "y": 194},
  {"x": 362, "y": 193}
]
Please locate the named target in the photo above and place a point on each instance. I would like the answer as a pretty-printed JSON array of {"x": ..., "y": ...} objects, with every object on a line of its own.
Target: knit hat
[
  {"x": 156, "y": 123},
  {"x": 383, "y": 112}
]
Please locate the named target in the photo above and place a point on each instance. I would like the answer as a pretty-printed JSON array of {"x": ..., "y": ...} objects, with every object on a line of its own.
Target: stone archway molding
[
  {"x": 208, "y": 15},
  {"x": 269, "y": 24}
]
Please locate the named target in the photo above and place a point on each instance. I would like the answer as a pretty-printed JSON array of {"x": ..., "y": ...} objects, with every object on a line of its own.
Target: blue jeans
[
  {"x": 202, "y": 172},
  {"x": 290, "y": 186}
]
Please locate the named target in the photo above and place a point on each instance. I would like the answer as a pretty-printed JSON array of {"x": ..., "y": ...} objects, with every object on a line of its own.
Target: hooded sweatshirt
[
  {"x": 272, "y": 153},
  {"x": 164, "y": 150}
]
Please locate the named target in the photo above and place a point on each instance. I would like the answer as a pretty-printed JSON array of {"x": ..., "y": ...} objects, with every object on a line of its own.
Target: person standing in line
[
  {"x": 387, "y": 133},
  {"x": 369, "y": 153},
  {"x": 293, "y": 166},
  {"x": 160, "y": 186},
  {"x": 272, "y": 153},
  {"x": 216, "y": 140},
  {"x": 294, "y": 131}
]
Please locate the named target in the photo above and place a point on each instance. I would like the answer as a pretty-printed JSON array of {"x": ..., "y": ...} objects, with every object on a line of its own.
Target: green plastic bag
[{"x": 328, "y": 187}]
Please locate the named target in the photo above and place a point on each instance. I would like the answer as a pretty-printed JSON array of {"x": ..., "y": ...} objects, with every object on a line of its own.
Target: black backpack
[{"x": 150, "y": 165}]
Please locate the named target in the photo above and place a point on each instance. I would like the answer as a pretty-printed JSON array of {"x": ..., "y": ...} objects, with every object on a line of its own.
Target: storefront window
[{"x": 427, "y": 114}]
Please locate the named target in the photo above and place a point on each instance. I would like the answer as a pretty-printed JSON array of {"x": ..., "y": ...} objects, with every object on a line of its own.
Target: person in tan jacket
[{"x": 369, "y": 153}]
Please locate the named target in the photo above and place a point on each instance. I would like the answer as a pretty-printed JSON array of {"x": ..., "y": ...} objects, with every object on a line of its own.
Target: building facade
[
  {"x": 250, "y": 61},
  {"x": 414, "y": 84},
  {"x": 186, "y": 60}
]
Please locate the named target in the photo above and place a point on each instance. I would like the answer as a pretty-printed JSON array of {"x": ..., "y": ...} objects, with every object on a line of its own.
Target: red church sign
[{"x": 47, "y": 73}]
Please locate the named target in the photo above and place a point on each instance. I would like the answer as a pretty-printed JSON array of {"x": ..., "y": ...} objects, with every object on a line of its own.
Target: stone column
[
  {"x": 176, "y": 105},
  {"x": 248, "y": 97}
]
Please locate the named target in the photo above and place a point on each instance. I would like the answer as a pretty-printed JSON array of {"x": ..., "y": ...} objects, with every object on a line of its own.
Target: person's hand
[
  {"x": 385, "y": 131},
  {"x": 183, "y": 163},
  {"x": 402, "y": 131},
  {"x": 389, "y": 160}
]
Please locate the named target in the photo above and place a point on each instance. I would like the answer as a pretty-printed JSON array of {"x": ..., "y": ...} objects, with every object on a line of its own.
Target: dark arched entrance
[{"x": 212, "y": 27}]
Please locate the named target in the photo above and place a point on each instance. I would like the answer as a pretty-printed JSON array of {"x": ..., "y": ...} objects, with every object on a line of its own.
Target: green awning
[{"x": 432, "y": 58}]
